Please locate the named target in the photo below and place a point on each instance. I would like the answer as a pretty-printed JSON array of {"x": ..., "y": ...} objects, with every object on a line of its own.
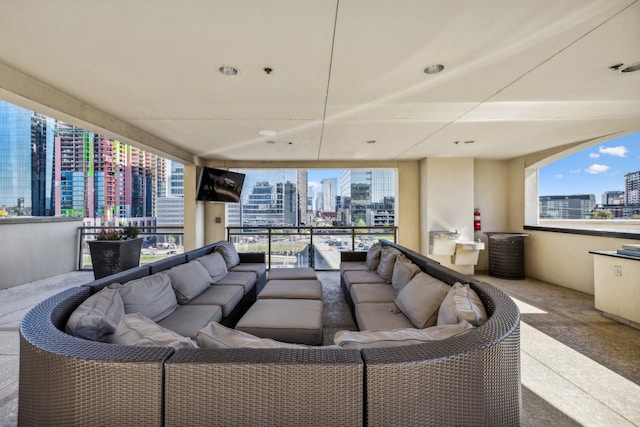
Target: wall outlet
[{"x": 617, "y": 270}]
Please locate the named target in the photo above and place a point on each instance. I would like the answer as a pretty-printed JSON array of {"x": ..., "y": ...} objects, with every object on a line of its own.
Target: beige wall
[
  {"x": 491, "y": 184},
  {"x": 447, "y": 202}
]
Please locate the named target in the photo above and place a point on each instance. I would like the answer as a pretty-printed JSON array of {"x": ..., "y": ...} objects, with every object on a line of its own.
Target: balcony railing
[
  {"x": 159, "y": 242},
  {"x": 285, "y": 247},
  {"x": 317, "y": 247}
]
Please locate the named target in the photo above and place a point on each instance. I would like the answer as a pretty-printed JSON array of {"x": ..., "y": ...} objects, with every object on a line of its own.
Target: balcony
[{"x": 578, "y": 367}]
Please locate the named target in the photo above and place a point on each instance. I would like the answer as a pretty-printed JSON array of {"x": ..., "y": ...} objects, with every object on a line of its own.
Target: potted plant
[{"x": 115, "y": 250}]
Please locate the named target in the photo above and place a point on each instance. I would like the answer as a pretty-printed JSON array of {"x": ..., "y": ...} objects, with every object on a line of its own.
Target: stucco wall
[{"x": 36, "y": 248}]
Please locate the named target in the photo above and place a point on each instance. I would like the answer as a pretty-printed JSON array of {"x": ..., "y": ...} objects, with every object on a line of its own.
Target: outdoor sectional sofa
[{"x": 471, "y": 378}]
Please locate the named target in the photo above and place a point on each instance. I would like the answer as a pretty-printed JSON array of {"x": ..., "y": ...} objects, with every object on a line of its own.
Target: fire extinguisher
[{"x": 477, "y": 225}]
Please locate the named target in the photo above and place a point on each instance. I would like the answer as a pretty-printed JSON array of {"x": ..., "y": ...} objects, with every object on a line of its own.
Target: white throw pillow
[
  {"x": 462, "y": 303},
  {"x": 137, "y": 329},
  {"x": 421, "y": 299},
  {"x": 152, "y": 296},
  {"x": 403, "y": 272},
  {"x": 97, "y": 317},
  {"x": 189, "y": 280},
  {"x": 229, "y": 252},
  {"x": 215, "y": 265},
  {"x": 215, "y": 335},
  {"x": 397, "y": 337}
]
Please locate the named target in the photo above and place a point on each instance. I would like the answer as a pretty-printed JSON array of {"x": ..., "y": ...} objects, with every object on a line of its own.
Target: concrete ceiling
[{"x": 519, "y": 77}]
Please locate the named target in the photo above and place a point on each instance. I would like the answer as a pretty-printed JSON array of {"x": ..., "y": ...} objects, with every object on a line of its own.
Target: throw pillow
[
  {"x": 215, "y": 265},
  {"x": 387, "y": 262},
  {"x": 138, "y": 329},
  {"x": 373, "y": 256},
  {"x": 462, "y": 303},
  {"x": 152, "y": 296},
  {"x": 189, "y": 280},
  {"x": 229, "y": 252},
  {"x": 403, "y": 272},
  {"x": 397, "y": 337},
  {"x": 97, "y": 317},
  {"x": 420, "y": 299},
  {"x": 215, "y": 335}
]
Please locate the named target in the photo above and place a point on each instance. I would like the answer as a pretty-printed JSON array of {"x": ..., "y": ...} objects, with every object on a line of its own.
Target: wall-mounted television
[{"x": 219, "y": 185}]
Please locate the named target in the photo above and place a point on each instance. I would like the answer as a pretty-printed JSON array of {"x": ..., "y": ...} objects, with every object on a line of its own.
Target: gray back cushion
[
  {"x": 215, "y": 265},
  {"x": 403, "y": 272},
  {"x": 387, "y": 262},
  {"x": 229, "y": 252},
  {"x": 152, "y": 296},
  {"x": 421, "y": 299},
  {"x": 373, "y": 256},
  {"x": 189, "y": 280}
]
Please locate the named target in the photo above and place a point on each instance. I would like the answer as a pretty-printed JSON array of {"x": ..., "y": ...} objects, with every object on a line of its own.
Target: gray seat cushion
[
  {"x": 379, "y": 315},
  {"x": 359, "y": 276},
  {"x": 188, "y": 319},
  {"x": 353, "y": 265},
  {"x": 292, "y": 289},
  {"x": 246, "y": 279},
  {"x": 258, "y": 268},
  {"x": 289, "y": 320},
  {"x": 226, "y": 296},
  {"x": 372, "y": 292},
  {"x": 292, "y": 273}
]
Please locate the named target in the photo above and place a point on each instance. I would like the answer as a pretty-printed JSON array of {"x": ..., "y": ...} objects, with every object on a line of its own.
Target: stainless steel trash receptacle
[{"x": 506, "y": 255}]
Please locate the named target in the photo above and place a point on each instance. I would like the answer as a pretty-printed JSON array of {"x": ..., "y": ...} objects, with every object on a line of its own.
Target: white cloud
[
  {"x": 595, "y": 169},
  {"x": 620, "y": 151},
  {"x": 558, "y": 176},
  {"x": 575, "y": 171},
  {"x": 594, "y": 155}
]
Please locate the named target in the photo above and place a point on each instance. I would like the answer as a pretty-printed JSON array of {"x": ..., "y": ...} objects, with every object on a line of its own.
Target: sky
[{"x": 594, "y": 170}]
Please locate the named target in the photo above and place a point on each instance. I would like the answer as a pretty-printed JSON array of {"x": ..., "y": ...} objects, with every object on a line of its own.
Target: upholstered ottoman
[
  {"x": 289, "y": 320},
  {"x": 292, "y": 273},
  {"x": 292, "y": 289}
]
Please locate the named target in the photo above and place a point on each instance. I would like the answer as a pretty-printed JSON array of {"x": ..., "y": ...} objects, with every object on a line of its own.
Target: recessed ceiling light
[
  {"x": 267, "y": 132},
  {"x": 228, "y": 70},
  {"x": 433, "y": 69},
  {"x": 631, "y": 68}
]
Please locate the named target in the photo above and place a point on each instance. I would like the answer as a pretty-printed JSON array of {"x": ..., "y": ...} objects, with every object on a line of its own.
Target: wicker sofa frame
[{"x": 471, "y": 379}]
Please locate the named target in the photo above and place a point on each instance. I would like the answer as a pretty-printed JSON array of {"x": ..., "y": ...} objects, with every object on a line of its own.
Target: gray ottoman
[
  {"x": 292, "y": 289},
  {"x": 289, "y": 320},
  {"x": 292, "y": 273}
]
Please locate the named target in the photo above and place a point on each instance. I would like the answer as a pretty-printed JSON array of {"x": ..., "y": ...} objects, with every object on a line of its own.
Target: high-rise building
[
  {"x": 367, "y": 189},
  {"x": 577, "y": 206},
  {"x": 102, "y": 178},
  {"x": 176, "y": 179},
  {"x": 613, "y": 198},
  {"x": 632, "y": 188},
  {"x": 329, "y": 194},
  {"x": 26, "y": 161}
]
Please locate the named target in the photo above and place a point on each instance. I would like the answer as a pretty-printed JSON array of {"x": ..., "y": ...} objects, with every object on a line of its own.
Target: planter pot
[{"x": 112, "y": 256}]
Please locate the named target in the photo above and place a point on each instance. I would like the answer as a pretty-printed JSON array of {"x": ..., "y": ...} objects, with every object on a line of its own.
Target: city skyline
[{"x": 594, "y": 170}]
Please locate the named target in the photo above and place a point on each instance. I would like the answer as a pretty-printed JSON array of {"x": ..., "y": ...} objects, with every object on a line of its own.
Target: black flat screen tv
[{"x": 219, "y": 185}]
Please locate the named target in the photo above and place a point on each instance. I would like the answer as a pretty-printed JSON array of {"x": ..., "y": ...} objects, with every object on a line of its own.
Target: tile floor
[{"x": 578, "y": 367}]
